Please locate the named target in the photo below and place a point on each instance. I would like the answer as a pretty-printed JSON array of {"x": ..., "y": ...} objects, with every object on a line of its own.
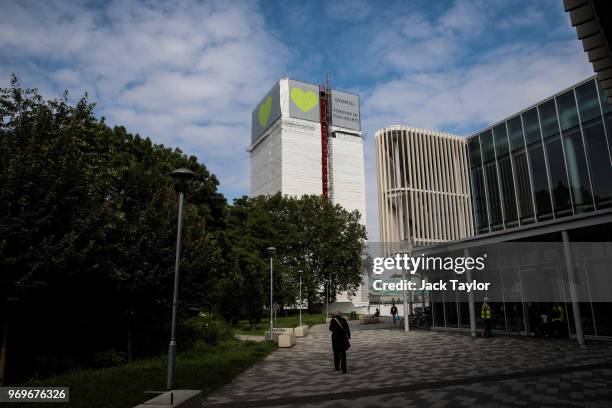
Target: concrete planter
[
  {"x": 300, "y": 331},
  {"x": 286, "y": 340},
  {"x": 175, "y": 399}
]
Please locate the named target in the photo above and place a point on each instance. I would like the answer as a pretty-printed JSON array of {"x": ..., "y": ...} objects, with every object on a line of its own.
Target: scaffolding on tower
[{"x": 325, "y": 103}]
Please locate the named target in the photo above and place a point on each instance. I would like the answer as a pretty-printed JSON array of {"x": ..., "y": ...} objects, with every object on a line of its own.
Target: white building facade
[
  {"x": 286, "y": 149},
  {"x": 423, "y": 188}
]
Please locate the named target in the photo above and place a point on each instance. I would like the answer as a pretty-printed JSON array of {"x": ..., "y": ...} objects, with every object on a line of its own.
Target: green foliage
[
  {"x": 203, "y": 329},
  {"x": 215, "y": 331},
  {"x": 325, "y": 241},
  {"x": 109, "y": 358},
  {"x": 308, "y": 319},
  {"x": 202, "y": 368},
  {"x": 88, "y": 232}
]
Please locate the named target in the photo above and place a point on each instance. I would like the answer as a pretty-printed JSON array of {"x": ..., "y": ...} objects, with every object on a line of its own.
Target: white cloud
[
  {"x": 465, "y": 17},
  {"x": 185, "y": 73},
  {"x": 437, "y": 81}
]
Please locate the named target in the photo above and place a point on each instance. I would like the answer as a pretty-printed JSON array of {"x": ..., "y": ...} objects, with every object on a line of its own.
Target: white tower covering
[{"x": 286, "y": 149}]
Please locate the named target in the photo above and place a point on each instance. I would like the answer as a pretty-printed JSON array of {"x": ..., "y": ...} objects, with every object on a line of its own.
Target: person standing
[
  {"x": 340, "y": 340},
  {"x": 393, "y": 310},
  {"x": 485, "y": 315},
  {"x": 558, "y": 320}
]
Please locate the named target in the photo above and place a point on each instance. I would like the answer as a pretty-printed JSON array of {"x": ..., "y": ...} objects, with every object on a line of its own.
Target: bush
[
  {"x": 204, "y": 328},
  {"x": 49, "y": 365},
  {"x": 215, "y": 331},
  {"x": 109, "y": 358},
  {"x": 189, "y": 332}
]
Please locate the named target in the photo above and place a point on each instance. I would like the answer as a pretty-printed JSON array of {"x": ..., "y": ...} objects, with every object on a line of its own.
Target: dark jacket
[{"x": 339, "y": 336}]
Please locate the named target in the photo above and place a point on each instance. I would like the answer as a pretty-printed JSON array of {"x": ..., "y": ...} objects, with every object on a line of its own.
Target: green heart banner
[
  {"x": 304, "y": 100},
  {"x": 264, "y": 111}
]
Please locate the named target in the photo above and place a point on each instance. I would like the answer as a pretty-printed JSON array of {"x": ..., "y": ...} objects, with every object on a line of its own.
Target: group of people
[
  {"x": 341, "y": 332},
  {"x": 553, "y": 324},
  {"x": 549, "y": 326}
]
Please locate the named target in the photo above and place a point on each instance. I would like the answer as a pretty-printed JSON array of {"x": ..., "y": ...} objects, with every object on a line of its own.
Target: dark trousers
[
  {"x": 340, "y": 359},
  {"x": 487, "y": 327}
]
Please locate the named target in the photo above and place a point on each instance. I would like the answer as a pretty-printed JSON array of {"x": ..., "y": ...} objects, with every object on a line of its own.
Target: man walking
[
  {"x": 340, "y": 340},
  {"x": 393, "y": 310}
]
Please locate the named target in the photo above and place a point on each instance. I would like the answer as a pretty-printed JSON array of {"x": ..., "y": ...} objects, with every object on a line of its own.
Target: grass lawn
[
  {"x": 203, "y": 368},
  {"x": 243, "y": 326}
]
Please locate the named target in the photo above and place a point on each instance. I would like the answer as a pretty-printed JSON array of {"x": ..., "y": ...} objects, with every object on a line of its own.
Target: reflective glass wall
[{"x": 551, "y": 160}]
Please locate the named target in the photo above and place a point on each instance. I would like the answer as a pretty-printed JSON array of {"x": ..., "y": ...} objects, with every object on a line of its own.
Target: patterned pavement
[{"x": 387, "y": 367}]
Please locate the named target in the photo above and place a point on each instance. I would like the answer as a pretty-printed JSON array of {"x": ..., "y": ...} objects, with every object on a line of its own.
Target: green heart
[
  {"x": 264, "y": 111},
  {"x": 304, "y": 100}
]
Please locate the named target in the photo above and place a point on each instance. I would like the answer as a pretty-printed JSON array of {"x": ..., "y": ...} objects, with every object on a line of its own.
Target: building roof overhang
[{"x": 593, "y": 22}]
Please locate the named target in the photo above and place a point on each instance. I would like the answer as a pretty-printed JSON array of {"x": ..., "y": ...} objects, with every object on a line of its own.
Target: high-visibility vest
[
  {"x": 558, "y": 313},
  {"x": 485, "y": 311}
]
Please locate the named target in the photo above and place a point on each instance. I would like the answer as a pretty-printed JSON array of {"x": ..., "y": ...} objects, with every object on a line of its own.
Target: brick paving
[{"x": 387, "y": 367}]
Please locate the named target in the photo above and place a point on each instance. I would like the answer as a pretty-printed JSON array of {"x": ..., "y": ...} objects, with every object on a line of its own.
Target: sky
[{"x": 188, "y": 74}]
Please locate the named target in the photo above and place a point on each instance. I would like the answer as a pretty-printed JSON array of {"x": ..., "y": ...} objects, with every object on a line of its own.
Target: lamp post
[
  {"x": 181, "y": 178},
  {"x": 327, "y": 298},
  {"x": 300, "y": 272},
  {"x": 406, "y": 322},
  {"x": 271, "y": 251}
]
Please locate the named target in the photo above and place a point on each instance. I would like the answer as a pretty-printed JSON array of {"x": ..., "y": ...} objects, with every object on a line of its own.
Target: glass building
[
  {"x": 542, "y": 176},
  {"x": 540, "y": 187},
  {"x": 551, "y": 160}
]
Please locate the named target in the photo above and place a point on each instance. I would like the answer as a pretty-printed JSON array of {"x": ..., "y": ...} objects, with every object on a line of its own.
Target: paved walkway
[{"x": 387, "y": 367}]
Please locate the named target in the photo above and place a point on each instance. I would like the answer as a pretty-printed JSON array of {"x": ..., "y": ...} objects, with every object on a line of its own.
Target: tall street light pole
[
  {"x": 327, "y": 298},
  {"x": 300, "y": 272},
  {"x": 181, "y": 178},
  {"x": 406, "y": 322},
  {"x": 271, "y": 251}
]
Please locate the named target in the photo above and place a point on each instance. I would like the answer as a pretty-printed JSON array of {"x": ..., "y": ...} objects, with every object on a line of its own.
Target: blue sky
[{"x": 189, "y": 73}]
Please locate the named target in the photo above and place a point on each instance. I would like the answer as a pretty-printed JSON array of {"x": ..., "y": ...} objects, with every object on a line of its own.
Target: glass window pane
[
  {"x": 599, "y": 163},
  {"x": 486, "y": 144},
  {"x": 608, "y": 120},
  {"x": 605, "y": 105},
  {"x": 501, "y": 140},
  {"x": 588, "y": 101},
  {"x": 493, "y": 196},
  {"x": 568, "y": 115},
  {"x": 558, "y": 176},
  {"x": 523, "y": 186},
  {"x": 474, "y": 151},
  {"x": 480, "y": 206},
  {"x": 577, "y": 171},
  {"x": 541, "y": 190},
  {"x": 515, "y": 133},
  {"x": 548, "y": 118},
  {"x": 532, "y": 126},
  {"x": 507, "y": 189}
]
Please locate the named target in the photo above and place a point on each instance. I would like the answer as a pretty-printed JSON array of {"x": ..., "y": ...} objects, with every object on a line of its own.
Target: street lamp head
[
  {"x": 271, "y": 251},
  {"x": 181, "y": 178}
]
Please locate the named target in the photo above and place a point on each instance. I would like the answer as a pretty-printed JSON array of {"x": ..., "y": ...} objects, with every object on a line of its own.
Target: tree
[
  {"x": 330, "y": 247},
  {"x": 87, "y": 234},
  {"x": 324, "y": 240}
]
